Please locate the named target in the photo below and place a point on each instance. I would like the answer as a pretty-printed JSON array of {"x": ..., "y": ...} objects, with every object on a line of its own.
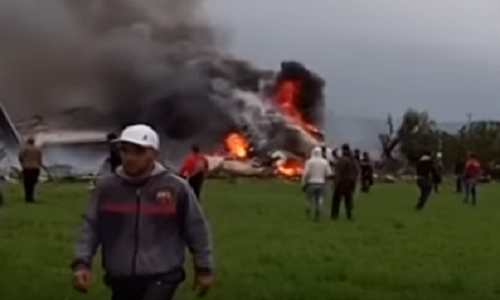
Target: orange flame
[
  {"x": 237, "y": 145},
  {"x": 290, "y": 168},
  {"x": 286, "y": 98}
]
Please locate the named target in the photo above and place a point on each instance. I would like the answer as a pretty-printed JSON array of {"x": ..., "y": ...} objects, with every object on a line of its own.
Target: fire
[
  {"x": 286, "y": 98},
  {"x": 237, "y": 145},
  {"x": 290, "y": 168}
]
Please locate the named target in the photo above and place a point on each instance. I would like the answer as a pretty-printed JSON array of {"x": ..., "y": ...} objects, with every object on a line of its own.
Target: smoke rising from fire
[
  {"x": 124, "y": 59},
  {"x": 104, "y": 64}
]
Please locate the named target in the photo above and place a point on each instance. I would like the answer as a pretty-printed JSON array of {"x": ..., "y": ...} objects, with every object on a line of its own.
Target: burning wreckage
[
  {"x": 261, "y": 123},
  {"x": 280, "y": 122}
]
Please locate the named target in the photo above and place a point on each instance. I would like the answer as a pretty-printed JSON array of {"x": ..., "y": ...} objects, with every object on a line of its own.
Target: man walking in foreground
[
  {"x": 426, "y": 173},
  {"x": 471, "y": 175},
  {"x": 346, "y": 176},
  {"x": 142, "y": 217},
  {"x": 316, "y": 173},
  {"x": 30, "y": 158},
  {"x": 194, "y": 169}
]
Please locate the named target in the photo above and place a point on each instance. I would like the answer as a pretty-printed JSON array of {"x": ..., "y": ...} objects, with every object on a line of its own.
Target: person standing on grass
[
  {"x": 471, "y": 175},
  {"x": 114, "y": 153},
  {"x": 142, "y": 218},
  {"x": 459, "y": 172},
  {"x": 346, "y": 176},
  {"x": 366, "y": 168},
  {"x": 438, "y": 178},
  {"x": 426, "y": 174},
  {"x": 194, "y": 169},
  {"x": 314, "y": 178},
  {"x": 30, "y": 158},
  {"x": 357, "y": 155},
  {"x": 113, "y": 161}
]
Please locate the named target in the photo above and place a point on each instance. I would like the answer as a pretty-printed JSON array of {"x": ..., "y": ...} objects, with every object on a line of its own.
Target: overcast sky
[{"x": 379, "y": 56}]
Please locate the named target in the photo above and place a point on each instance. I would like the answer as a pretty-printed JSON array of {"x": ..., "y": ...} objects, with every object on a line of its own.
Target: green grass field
[{"x": 266, "y": 248}]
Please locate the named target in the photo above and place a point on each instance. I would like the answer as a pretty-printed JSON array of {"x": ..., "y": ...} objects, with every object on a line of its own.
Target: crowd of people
[
  {"x": 344, "y": 171},
  {"x": 142, "y": 215},
  {"x": 428, "y": 171},
  {"x": 350, "y": 169}
]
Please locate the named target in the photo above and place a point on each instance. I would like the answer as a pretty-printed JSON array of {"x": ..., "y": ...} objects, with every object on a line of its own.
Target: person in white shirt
[{"x": 316, "y": 173}]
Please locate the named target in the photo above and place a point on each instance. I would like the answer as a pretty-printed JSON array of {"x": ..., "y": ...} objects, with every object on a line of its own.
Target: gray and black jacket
[{"x": 143, "y": 227}]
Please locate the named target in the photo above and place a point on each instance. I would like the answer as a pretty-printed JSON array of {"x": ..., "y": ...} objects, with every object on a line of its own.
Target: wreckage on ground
[
  {"x": 276, "y": 119},
  {"x": 67, "y": 153}
]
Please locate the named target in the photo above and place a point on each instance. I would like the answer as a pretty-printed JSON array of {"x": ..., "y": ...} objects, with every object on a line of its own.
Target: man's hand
[
  {"x": 81, "y": 279},
  {"x": 203, "y": 283}
]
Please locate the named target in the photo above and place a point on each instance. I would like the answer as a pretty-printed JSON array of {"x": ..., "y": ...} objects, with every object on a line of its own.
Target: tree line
[{"x": 418, "y": 133}]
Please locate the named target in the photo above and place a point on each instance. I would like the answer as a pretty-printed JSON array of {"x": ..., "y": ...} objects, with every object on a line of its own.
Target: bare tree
[{"x": 389, "y": 142}]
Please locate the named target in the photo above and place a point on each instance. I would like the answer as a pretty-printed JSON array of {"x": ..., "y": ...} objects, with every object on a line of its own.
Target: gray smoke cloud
[
  {"x": 105, "y": 64},
  {"x": 109, "y": 62}
]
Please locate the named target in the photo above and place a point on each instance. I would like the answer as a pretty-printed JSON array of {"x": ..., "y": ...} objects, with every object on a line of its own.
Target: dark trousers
[
  {"x": 343, "y": 191},
  {"x": 459, "y": 183},
  {"x": 30, "y": 180},
  {"x": 366, "y": 183},
  {"x": 196, "y": 183},
  {"x": 425, "y": 186},
  {"x": 142, "y": 288},
  {"x": 437, "y": 181}
]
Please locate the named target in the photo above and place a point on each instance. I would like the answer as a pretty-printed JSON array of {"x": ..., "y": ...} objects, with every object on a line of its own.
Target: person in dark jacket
[
  {"x": 345, "y": 178},
  {"x": 357, "y": 155},
  {"x": 438, "y": 175},
  {"x": 115, "y": 159},
  {"x": 426, "y": 172},
  {"x": 31, "y": 160},
  {"x": 366, "y": 167},
  {"x": 459, "y": 180},
  {"x": 142, "y": 217}
]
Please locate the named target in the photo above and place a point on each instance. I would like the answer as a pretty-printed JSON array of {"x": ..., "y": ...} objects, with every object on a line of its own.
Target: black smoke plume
[
  {"x": 114, "y": 61},
  {"x": 105, "y": 64},
  {"x": 310, "y": 100}
]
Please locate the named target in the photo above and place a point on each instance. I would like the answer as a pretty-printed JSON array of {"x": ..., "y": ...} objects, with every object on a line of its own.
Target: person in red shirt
[
  {"x": 472, "y": 173},
  {"x": 194, "y": 168}
]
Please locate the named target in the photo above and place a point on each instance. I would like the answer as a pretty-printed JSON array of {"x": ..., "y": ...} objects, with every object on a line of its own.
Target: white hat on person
[{"x": 140, "y": 135}]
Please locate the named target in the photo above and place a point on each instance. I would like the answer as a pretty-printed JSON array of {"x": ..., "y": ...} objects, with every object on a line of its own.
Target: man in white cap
[{"x": 142, "y": 217}]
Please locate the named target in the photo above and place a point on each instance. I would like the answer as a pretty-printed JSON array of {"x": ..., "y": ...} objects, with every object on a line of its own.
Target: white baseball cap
[{"x": 140, "y": 135}]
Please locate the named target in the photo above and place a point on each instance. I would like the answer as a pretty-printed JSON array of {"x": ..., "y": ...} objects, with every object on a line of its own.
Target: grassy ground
[{"x": 267, "y": 249}]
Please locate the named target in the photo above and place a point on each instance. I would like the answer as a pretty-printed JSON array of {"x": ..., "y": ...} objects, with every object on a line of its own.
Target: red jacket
[
  {"x": 472, "y": 169},
  {"x": 193, "y": 164}
]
